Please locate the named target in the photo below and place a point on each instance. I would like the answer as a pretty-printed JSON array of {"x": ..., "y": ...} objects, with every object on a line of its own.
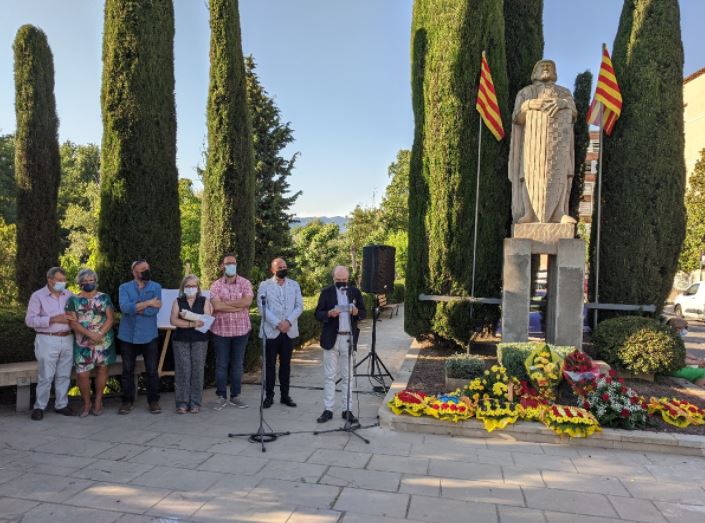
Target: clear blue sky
[{"x": 339, "y": 71}]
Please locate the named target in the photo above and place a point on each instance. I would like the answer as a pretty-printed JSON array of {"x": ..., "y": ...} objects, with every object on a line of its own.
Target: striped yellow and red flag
[
  {"x": 608, "y": 99},
  {"x": 486, "y": 103}
]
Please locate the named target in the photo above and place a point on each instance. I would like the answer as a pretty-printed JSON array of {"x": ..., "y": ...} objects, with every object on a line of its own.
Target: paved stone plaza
[{"x": 173, "y": 467}]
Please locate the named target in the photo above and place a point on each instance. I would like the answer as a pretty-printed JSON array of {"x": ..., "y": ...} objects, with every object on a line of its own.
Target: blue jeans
[{"x": 229, "y": 352}]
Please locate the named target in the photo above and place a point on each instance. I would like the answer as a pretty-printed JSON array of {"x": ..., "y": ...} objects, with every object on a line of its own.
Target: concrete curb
[{"x": 641, "y": 441}]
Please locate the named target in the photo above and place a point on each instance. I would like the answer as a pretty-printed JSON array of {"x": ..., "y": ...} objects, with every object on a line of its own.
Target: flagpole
[
  {"x": 599, "y": 214},
  {"x": 477, "y": 204}
]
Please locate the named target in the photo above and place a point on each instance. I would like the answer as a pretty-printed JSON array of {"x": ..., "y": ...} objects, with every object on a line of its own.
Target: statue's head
[{"x": 544, "y": 71}]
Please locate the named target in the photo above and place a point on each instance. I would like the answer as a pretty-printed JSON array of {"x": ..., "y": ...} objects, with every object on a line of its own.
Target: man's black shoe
[
  {"x": 288, "y": 402},
  {"x": 267, "y": 403},
  {"x": 37, "y": 414},
  {"x": 349, "y": 416},
  {"x": 327, "y": 415},
  {"x": 66, "y": 411}
]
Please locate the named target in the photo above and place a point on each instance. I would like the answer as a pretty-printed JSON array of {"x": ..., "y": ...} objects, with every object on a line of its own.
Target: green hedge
[
  {"x": 639, "y": 345},
  {"x": 18, "y": 340},
  {"x": 398, "y": 293},
  {"x": 464, "y": 366},
  {"x": 512, "y": 356}
]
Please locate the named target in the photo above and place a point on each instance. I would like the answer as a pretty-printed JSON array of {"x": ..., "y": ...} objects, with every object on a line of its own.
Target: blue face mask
[
  {"x": 231, "y": 269},
  {"x": 59, "y": 286}
]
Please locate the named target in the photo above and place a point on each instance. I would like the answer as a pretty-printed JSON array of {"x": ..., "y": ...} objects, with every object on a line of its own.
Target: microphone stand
[
  {"x": 349, "y": 426},
  {"x": 265, "y": 433}
]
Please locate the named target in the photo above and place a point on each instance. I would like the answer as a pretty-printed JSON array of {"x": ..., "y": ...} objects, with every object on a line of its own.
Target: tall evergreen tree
[
  {"x": 272, "y": 203},
  {"x": 695, "y": 208},
  {"x": 37, "y": 166},
  {"x": 523, "y": 30},
  {"x": 228, "y": 220},
  {"x": 447, "y": 43},
  {"x": 8, "y": 185},
  {"x": 581, "y": 138},
  {"x": 139, "y": 210},
  {"x": 643, "y": 215}
]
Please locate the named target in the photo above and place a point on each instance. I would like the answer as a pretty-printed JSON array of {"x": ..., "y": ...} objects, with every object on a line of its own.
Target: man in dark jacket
[{"x": 339, "y": 307}]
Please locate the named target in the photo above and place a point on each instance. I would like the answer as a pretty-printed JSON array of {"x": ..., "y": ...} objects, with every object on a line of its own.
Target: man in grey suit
[{"x": 280, "y": 298}]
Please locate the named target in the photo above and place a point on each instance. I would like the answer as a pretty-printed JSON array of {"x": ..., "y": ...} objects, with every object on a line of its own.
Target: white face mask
[
  {"x": 231, "y": 269},
  {"x": 190, "y": 291},
  {"x": 683, "y": 333},
  {"x": 59, "y": 286}
]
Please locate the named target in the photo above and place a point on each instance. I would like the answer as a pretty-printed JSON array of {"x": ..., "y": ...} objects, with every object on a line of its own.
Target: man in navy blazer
[{"x": 340, "y": 307}]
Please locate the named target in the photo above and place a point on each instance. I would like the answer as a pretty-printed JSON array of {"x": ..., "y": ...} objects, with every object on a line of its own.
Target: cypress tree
[
  {"x": 447, "y": 43},
  {"x": 581, "y": 138},
  {"x": 228, "y": 221},
  {"x": 523, "y": 30},
  {"x": 643, "y": 215},
  {"x": 139, "y": 209},
  {"x": 695, "y": 209},
  {"x": 37, "y": 164},
  {"x": 270, "y": 136}
]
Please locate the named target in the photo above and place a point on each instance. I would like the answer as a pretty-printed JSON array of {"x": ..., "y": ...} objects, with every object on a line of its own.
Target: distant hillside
[{"x": 301, "y": 221}]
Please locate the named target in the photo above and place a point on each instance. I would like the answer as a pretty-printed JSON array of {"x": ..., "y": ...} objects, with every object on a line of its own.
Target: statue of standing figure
[{"x": 541, "y": 154}]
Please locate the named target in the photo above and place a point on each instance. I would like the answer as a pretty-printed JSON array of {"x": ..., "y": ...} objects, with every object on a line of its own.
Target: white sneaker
[
  {"x": 220, "y": 403},
  {"x": 237, "y": 402}
]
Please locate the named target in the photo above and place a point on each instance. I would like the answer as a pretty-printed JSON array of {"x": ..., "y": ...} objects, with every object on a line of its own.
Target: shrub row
[
  {"x": 639, "y": 345},
  {"x": 18, "y": 339}
]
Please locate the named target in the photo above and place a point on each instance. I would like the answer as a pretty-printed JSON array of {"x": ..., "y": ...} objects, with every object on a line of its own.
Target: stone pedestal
[
  {"x": 544, "y": 236},
  {"x": 564, "y": 313},
  {"x": 516, "y": 290}
]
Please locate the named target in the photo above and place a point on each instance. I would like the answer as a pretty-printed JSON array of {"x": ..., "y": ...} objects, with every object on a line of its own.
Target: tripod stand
[
  {"x": 349, "y": 426},
  {"x": 265, "y": 433},
  {"x": 376, "y": 368}
]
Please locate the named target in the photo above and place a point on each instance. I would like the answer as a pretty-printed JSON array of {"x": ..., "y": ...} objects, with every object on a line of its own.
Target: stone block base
[{"x": 544, "y": 236}]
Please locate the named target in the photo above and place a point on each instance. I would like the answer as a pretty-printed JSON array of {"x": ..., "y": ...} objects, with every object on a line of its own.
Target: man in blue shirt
[{"x": 140, "y": 300}]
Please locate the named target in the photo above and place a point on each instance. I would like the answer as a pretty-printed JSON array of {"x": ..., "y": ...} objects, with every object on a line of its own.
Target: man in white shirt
[{"x": 280, "y": 304}]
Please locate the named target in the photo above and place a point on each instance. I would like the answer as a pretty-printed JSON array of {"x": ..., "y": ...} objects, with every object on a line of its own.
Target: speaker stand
[{"x": 376, "y": 369}]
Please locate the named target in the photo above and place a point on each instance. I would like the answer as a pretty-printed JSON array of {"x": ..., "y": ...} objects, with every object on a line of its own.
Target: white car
[{"x": 691, "y": 304}]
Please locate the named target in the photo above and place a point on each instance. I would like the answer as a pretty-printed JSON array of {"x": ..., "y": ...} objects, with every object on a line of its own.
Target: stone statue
[{"x": 541, "y": 154}]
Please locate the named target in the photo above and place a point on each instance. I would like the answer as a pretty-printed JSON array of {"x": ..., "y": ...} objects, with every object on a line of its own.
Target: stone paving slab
[{"x": 143, "y": 467}]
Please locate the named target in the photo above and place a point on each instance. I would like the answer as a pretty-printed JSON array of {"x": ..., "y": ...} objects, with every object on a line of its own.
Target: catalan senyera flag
[
  {"x": 608, "y": 99},
  {"x": 486, "y": 103}
]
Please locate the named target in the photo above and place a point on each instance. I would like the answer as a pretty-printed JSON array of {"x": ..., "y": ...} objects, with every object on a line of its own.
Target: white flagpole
[
  {"x": 477, "y": 204},
  {"x": 599, "y": 218}
]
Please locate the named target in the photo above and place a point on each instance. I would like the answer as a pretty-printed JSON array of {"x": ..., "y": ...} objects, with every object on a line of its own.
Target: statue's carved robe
[{"x": 542, "y": 154}]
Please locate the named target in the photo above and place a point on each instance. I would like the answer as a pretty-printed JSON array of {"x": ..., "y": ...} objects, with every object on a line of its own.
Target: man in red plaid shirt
[{"x": 231, "y": 297}]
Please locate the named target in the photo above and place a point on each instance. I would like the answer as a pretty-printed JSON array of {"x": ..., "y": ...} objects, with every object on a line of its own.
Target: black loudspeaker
[{"x": 378, "y": 269}]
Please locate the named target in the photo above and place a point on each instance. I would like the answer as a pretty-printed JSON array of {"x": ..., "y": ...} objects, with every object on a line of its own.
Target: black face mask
[
  {"x": 341, "y": 284},
  {"x": 88, "y": 287},
  {"x": 145, "y": 275},
  {"x": 281, "y": 273}
]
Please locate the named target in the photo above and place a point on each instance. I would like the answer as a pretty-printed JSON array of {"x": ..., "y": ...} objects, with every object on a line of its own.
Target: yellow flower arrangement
[
  {"x": 544, "y": 369},
  {"x": 409, "y": 401},
  {"x": 496, "y": 414},
  {"x": 494, "y": 384},
  {"x": 676, "y": 412},
  {"x": 450, "y": 407},
  {"x": 574, "y": 421},
  {"x": 532, "y": 413}
]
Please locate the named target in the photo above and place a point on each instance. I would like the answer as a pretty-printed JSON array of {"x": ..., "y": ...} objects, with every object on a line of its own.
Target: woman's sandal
[
  {"x": 181, "y": 410},
  {"x": 195, "y": 409}
]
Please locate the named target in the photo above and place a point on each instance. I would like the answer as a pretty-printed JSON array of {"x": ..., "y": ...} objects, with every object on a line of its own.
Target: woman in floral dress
[{"x": 93, "y": 346}]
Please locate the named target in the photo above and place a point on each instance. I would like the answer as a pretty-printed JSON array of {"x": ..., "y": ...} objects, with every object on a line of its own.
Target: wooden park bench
[
  {"x": 383, "y": 304},
  {"x": 23, "y": 374}
]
